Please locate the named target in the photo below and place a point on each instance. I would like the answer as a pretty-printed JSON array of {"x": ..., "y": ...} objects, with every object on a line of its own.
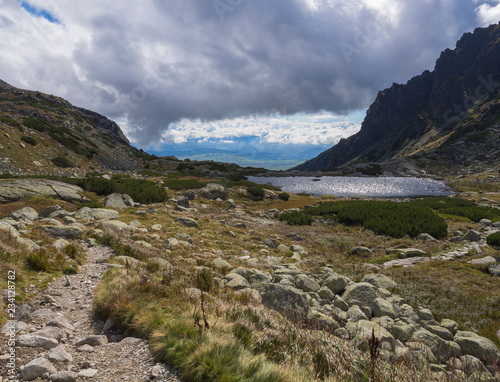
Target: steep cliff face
[
  {"x": 37, "y": 128},
  {"x": 460, "y": 95}
]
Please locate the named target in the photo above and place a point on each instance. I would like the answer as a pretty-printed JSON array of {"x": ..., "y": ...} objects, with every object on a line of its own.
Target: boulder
[
  {"x": 404, "y": 253},
  {"x": 171, "y": 243},
  {"x": 472, "y": 235},
  {"x": 61, "y": 231},
  {"x": 48, "y": 211},
  {"x": 286, "y": 299},
  {"x": 362, "y": 332},
  {"x": 235, "y": 281},
  {"x": 484, "y": 261},
  {"x": 15, "y": 190},
  {"x": 427, "y": 237},
  {"x": 26, "y": 214},
  {"x": 127, "y": 260},
  {"x": 250, "y": 294},
  {"x": 381, "y": 308},
  {"x": 335, "y": 282},
  {"x": 60, "y": 354},
  {"x": 188, "y": 222},
  {"x": 271, "y": 243},
  {"x": 34, "y": 341},
  {"x": 118, "y": 201},
  {"x": 306, "y": 283},
  {"x": 355, "y": 314},
  {"x": 451, "y": 325},
  {"x": 36, "y": 368},
  {"x": 183, "y": 202},
  {"x": 222, "y": 264},
  {"x": 379, "y": 280},
  {"x": 361, "y": 294},
  {"x": 326, "y": 293},
  {"x": 444, "y": 333},
  {"x": 6, "y": 227},
  {"x": 114, "y": 225},
  {"x": 477, "y": 346},
  {"x": 50, "y": 332},
  {"x": 163, "y": 264},
  {"x": 494, "y": 269},
  {"x": 361, "y": 251},
  {"x": 443, "y": 350},
  {"x": 213, "y": 191},
  {"x": 90, "y": 214}
]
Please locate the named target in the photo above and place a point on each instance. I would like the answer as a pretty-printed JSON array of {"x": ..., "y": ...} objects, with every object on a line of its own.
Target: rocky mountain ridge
[
  {"x": 37, "y": 128},
  {"x": 447, "y": 116}
]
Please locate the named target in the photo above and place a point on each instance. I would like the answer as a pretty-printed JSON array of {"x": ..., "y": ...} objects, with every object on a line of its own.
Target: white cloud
[
  {"x": 300, "y": 129},
  {"x": 489, "y": 14}
]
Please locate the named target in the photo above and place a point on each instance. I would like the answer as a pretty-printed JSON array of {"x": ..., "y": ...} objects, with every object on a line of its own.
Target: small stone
[
  {"x": 29, "y": 340},
  {"x": 271, "y": 243},
  {"x": 156, "y": 371},
  {"x": 96, "y": 340},
  {"x": 188, "y": 222},
  {"x": 60, "y": 354},
  {"x": 64, "y": 376},
  {"x": 85, "y": 349},
  {"x": 361, "y": 251},
  {"x": 87, "y": 373}
]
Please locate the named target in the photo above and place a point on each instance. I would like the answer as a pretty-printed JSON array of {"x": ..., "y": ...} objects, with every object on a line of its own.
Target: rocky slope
[
  {"x": 445, "y": 121},
  {"x": 36, "y": 128}
]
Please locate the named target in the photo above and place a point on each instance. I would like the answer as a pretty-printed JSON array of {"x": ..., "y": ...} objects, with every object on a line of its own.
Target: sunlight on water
[{"x": 354, "y": 186}]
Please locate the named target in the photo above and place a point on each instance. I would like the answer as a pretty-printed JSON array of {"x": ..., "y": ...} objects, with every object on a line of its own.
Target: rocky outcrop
[
  {"x": 118, "y": 201},
  {"x": 428, "y": 113},
  {"x": 15, "y": 190}
]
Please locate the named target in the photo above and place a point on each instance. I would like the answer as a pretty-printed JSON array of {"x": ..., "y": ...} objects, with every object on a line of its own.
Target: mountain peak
[{"x": 450, "y": 105}]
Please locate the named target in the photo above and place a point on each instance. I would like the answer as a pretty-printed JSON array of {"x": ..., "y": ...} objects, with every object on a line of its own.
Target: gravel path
[{"x": 65, "y": 310}]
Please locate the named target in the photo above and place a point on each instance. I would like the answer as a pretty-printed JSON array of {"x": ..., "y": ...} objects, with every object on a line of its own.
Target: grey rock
[
  {"x": 451, "y": 325},
  {"x": 163, "y": 264},
  {"x": 361, "y": 251},
  {"x": 484, "y": 261},
  {"x": 283, "y": 248},
  {"x": 183, "y": 202},
  {"x": 114, "y": 225},
  {"x": 128, "y": 261},
  {"x": 294, "y": 237},
  {"x": 362, "y": 332},
  {"x": 340, "y": 303},
  {"x": 380, "y": 281},
  {"x": 326, "y": 293},
  {"x": 90, "y": 214},
  {"x": 96, "y": 340},
  {"x": 85, "y": 349},
  {"x": 44, "y": 315},
  {"x": 297, "y": 248},
  {"x": 60, "y": 243},
  {"x": 252, "y": 295},
  {"x": 62, "y": 231},
  {"x": 355, "y": 314},
  {"x": 34, "y": 341},
  {"x": 477, "y": 346},
  {"x": 361, "y": 294},
  {"x": 442, "y": 350},
  {"x": 188, "y": 222},
  {"x": 118, "y": 201},
  {"x": 271, "y": 243},
  {"x": 235, "y": 281},
  {"x": 190, "y": 195},
  {"x": 29, "y": 244},
  {"x": 64, "y": 376},
  {"x": 222, "y": 264},
  {"x": 50, "y": 332},
  {"x": 15, "y": 190},
  {"x": 494, "y": 269},
  {"x": 335, "y": 282},
  {"x": 213, "y": 191},
  {"x": 404, "y": 253},
  {"x": 472, "y": 235},
  {"x": 60, "y": 354},
  {"x": 62, "y": 323},
  {"x": 87, "y": 373},
  {"x": 402, "y": 331},
  {"x": 170, "y": 243},
  {"x": 486, "y": 222},
  {"x": 14, "y": 327},
  {"x": 306, "y": 283},
  {"x": 36, "y": 368},
  {"x": 48, "y": 211},
  {"x": 427, "y": 237},
  {"x": 6, "y": 227},
  {"x": 425, "y": 314},
  {"x": 26, "y": 214},
  {"x": 381, "y": 308},
  {"x": 444, "y": 333},
  {"x": 286, "y": 299}
]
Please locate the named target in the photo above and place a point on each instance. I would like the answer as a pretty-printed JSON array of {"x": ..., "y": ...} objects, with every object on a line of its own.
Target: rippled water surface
[{"x": 355, "y": 186}]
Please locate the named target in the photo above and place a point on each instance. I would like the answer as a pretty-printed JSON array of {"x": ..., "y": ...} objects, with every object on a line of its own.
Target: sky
[{"x": 258, "y": 82}]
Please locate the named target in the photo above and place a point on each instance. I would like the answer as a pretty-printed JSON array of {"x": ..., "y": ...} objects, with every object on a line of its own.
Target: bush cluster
[
  {"x": 494, "y": 239},
  {"x": 296, "y": 218},
  {"x": 284, "y": 196},
  {"x": 181, "y": 184},
  {"x": 383, "y": 217},
  {"x": 257, "y": 193},
  {"x": 62, "y": 162},
  {"x": 30, "y": 140},
  {"x": 460, "y": 207}
]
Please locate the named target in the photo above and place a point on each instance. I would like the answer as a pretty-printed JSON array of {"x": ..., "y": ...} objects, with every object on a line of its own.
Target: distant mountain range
[
  {"x": 445, "y": 121},
  {"x": 45, "y": 134}
]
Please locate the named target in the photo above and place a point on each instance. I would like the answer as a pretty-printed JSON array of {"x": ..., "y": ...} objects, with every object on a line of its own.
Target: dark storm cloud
[{"x": 157, "y": 62}]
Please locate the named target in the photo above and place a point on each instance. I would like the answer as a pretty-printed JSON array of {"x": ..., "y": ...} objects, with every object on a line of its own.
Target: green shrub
[
  {"x": 284, "y": 196},
  {"x": 12, "y": 122},
  {"x": 460, "y": 207},
  {"x": 296, "y": 218},
  {"x": 384, "y": 218},
  {"x": 35, "y": 124},
  {"x": 38, "y": 261},
  {"x": 93, "y": 204},
  {"x": 62, "y": 162},
  {"x": 30, "y": 140},
  {"x": 256, "y": 192},
  {"x": 180, "y": 184},
  {"x": 151, "y": 173},
  {"x": 494, "y": 239}
]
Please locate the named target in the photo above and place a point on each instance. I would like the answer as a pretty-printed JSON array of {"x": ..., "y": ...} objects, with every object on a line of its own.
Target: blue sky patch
[{"x": 39, "y": 12}]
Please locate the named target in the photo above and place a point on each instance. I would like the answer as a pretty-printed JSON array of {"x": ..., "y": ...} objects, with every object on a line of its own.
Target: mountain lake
[{"x": 367, "y": 187}]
